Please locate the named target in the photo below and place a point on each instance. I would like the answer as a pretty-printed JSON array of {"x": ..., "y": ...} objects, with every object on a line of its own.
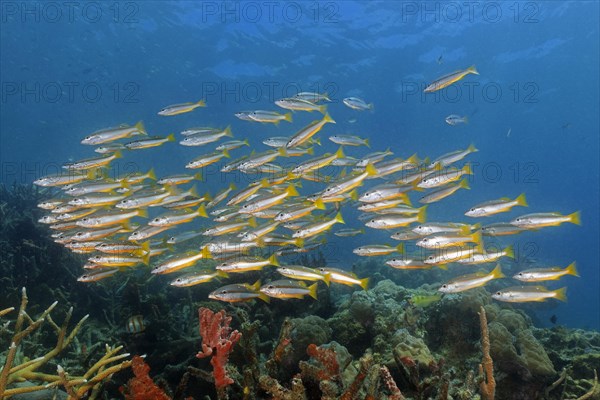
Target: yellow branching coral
[{"x": 77, "y": 387}]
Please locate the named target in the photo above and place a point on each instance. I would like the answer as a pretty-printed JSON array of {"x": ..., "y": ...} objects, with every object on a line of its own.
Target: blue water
[{"x": 67, "y": 71}]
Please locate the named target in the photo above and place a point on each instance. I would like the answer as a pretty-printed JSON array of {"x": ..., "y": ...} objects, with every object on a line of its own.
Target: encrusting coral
[
  {"x": 217, "y": 341},
  {"x": 20, "y": 369}
]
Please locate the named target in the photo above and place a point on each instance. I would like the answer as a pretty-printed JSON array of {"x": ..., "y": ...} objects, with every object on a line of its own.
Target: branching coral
[{"x": 88, "y": 385}]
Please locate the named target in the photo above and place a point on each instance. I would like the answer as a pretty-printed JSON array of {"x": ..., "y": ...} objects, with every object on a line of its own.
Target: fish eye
[
  {"x": 498, "y": 293},
  {"x": 79, "y": 234},
  {"x": 85, "y": 219},
  {"x": 520, "y": 274},
  {"x": 518, "y": 219},
  {"x": 223, "y": 291},
  {"x": 270, "y": 287},
  {"x": 472, "y": 209},
  {"x": 444, "y": 286}
]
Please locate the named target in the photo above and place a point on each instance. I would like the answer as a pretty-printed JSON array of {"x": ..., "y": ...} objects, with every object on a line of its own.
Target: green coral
[{"x": 410, "y": 346}]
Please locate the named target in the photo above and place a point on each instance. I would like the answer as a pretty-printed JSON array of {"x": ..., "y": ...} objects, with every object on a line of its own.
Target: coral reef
[
  {"x": 373, "y": 344},
  {"x": 19, "y": 368},
  {"x": 142, "y": 387},
  {"x": 217, "y": 341},
  {"x": 486, "y": 368}
]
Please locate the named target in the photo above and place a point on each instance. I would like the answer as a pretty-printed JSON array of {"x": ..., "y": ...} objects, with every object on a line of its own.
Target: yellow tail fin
[
  {"x": 201, "y": 103},
  {"x": 288, "y": 117},
  {"x": 202, "y": 211},
  {"x": 464, "y": 184},
  {"x": 291, "y": 191},
  {"x": 140, "y": 128},
  {"x": 206, "y": 252},
  {"x": 497, "y": 272},
  {"x": 171, "y": 137},
  {"x": 151, "y": 174},
  {"x": 327, "y": 118},
  {"x": 227, "y": 131},
  {"x": 509, "y": 252},
  {"x": 371, "y": 170},
  {"x": 472, "y": 70},
  {"x": 364, "y": 283},
  {"x": 467, "y": 169},
  {"x": 575, "y": 218},
  {"x": 521, "y": 200},
  {"x": 312, "y": 290},
  {"x": 319, "y": 205},
  {"x": 338, "y": 218},
  {"x": 572, "y": 269},
  {"x": 142, "y": 212},
  {"x": 561, "y": 294},
  {"x": 273, "y": 260},
  {"x": 264, "y": 298},
  {"x": 422, "y": 215}
]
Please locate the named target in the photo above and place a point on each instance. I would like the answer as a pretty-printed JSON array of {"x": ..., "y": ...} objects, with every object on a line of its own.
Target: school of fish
[{"x": 135, "y": 221}]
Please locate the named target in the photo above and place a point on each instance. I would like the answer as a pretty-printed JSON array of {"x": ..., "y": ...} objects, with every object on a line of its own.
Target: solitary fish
[
  {"x": 307, "y": 132},
  {"x": 176, "y": 109},
  {"x": 425, "y": 300},
  {"x": 345, "y": 277},
  {"x": 449, "y": 79},
  {"x": 153, "y": 141},
  {"x": 110, "y": 134},
  {"x": 302, "y": 272},
  {"x": 496, "y": 206},
  {"x": 289, "y": 289},
  {"x": 454, "y": 119},
  {"x": 349, "y": 140},
  {"x": 521, "y": 294},
  {"x": 349, "y": 232},
  {"x": 534, "y": 221},
  {"x": 471, "y": 281},
  {"x": 377, "y": 250},
  {"x": 313, "y": 97},
  {"x": 181, "y": 262},
  {"x": 239, "y": 292},
  {"x": 135, "y": 324},
  {"x": 357, "y": 104},
  {"x": 297, "y": 104},
  {"x": 546, "y": 274},
  {"x": 197, "y": 278},
  {"x": 269, "y": 116}
]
